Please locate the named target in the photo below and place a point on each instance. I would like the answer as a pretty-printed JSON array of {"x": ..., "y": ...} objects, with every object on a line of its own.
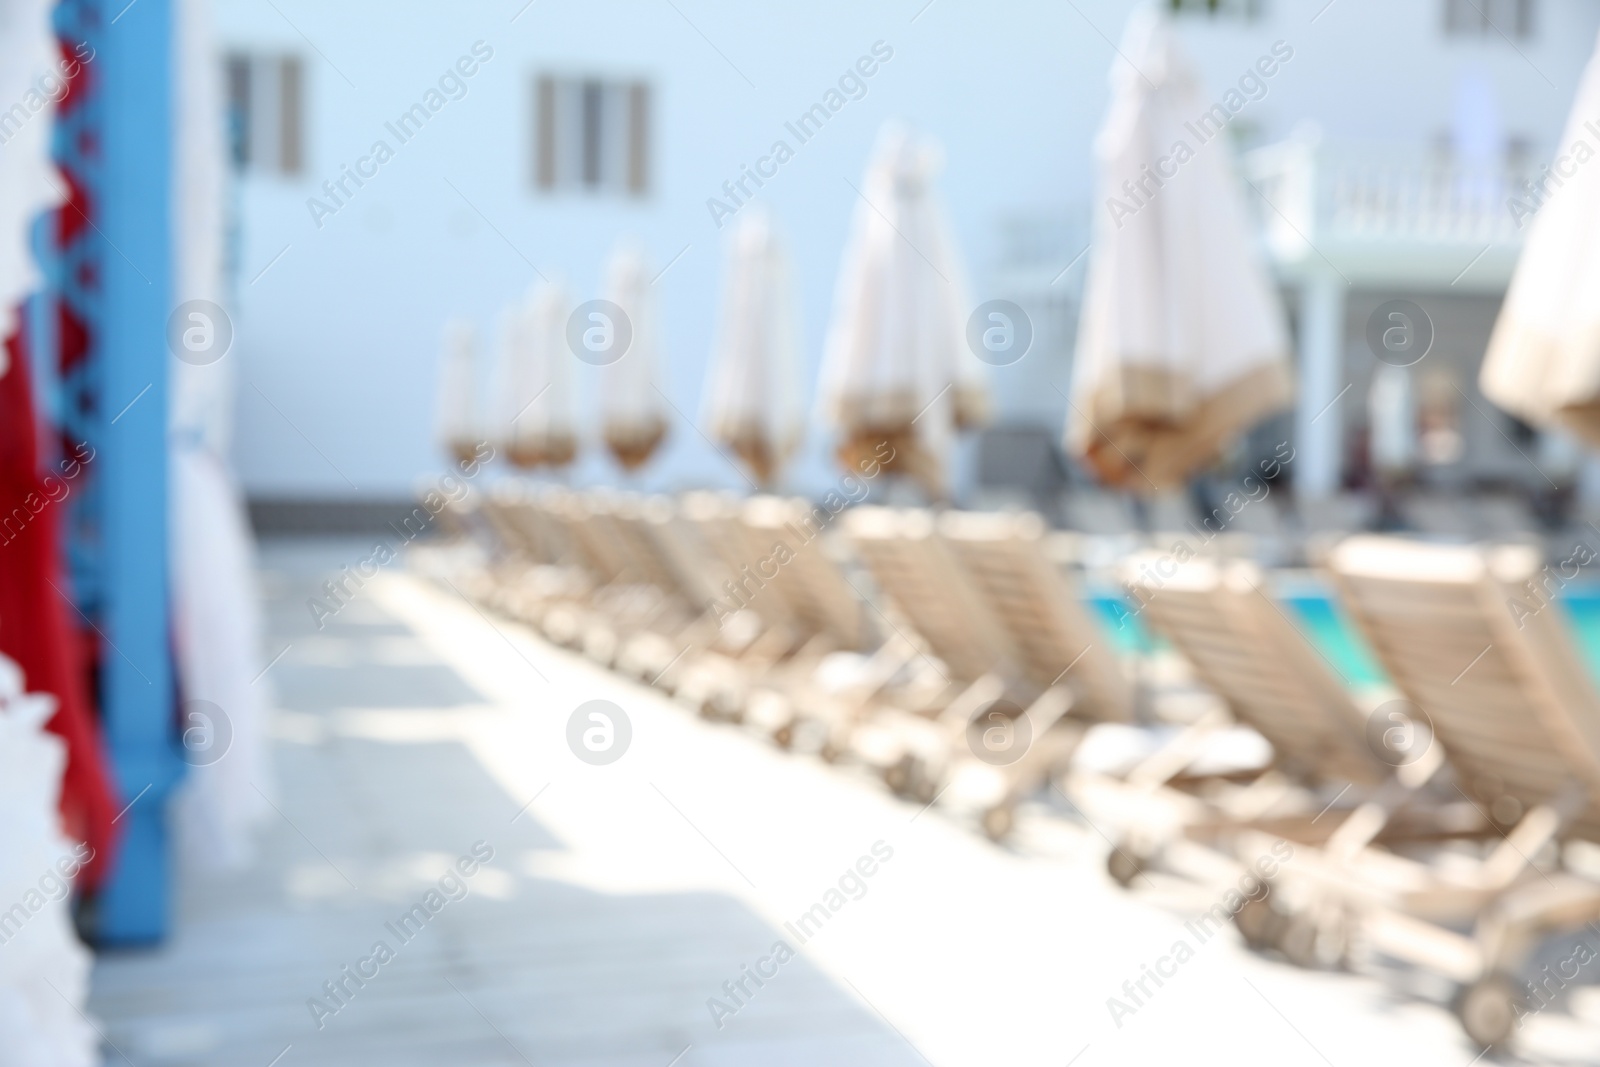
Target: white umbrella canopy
[
  {"x": 459, "y": 428},
  {"x": 896, "y": 367},
  {"x": 216, "y": 619},
  {"x": 30, "y": 78},
  {"x": 1181, "y": 343},
  {"x": 1543, "y": 360},
  {"x": 535, "y": 384},
  {"x": 752, "y": 400},
  {"x": 633, "y": 420}
]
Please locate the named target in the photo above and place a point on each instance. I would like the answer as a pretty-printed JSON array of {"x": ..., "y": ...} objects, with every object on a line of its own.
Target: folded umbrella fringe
[
  {"x": 897, "y": 451},
  {"x": 1543, "y": 359},
  {"x": 1153, "y": 452},
  {"x": 633, "y": 415},
  {"x": 753, "y": 391},
  {"x": 535, "y": 389},
  {"x": 1181, "y": 343},
  {"x": 549, "y": 451},
  {"x": 633, "y": 444},
  {"x": 752, "y": 442},
  {"x": 459, "y": 423},
  {"x": 897, "y": 365}
]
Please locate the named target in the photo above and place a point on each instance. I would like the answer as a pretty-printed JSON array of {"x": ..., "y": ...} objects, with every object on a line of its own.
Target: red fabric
[{"x": 37, "y": 627}]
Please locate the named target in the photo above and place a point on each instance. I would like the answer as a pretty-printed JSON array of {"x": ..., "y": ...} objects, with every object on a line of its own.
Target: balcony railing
[{"x": 1352, "y": 202}]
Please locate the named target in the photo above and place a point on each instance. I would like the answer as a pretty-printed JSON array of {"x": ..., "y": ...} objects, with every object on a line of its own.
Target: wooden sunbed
[
  {"x": 922, "y": 575},
  {"x": 1498, "y": 679},
  {"x": 1055, "y": 640},
  {"x": 1220, "y": 615}
]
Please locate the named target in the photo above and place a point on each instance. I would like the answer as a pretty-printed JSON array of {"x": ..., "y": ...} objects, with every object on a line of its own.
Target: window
[
  {"x": 266, "y": 113},
  {"x": 1498, "y": 19},
  {"x": 591, "y": 135},
  {"x": 1244, "y": 9}
]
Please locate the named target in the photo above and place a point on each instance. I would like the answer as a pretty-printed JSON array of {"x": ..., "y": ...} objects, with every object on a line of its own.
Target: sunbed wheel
[
  {"x": 998, "y": 821},
  {"x": 1124, "y": 865},
  {"x": 1259, "y": 923},
  {"x": 924, "y": 785},
  {"x": 1488, "y": 1010},
  {"x": 897, "y": 776},
  {"x": 783, "y": 736},
  {"x": 1297, "y": 940}
]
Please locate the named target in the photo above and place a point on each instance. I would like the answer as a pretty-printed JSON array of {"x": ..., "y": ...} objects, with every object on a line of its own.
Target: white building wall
[{"x": 338, "y": 339}]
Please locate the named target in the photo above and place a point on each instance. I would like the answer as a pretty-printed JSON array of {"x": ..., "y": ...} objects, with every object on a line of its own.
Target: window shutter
[
  {"x": 291, "y": 115},
  {"x": 545, "y": 133},
  {"x": 593, "y": 105},
  {"x": 638, "y": 139},
  {"x": 239, "y": 109}
]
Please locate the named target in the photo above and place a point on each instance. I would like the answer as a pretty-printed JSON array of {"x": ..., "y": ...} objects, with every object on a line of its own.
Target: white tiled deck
[{"x": 623, "y": 897}]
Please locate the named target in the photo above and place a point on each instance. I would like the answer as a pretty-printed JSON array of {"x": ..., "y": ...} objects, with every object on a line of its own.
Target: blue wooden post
[{"x": 135, "y": 216}]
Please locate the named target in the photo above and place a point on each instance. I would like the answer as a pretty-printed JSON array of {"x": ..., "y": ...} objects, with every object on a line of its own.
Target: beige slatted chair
[
  {"x": 921, "y": 575},
  {"x": 522, "y": 520},
  {"x": 527, "y": 574},
  {"x": 715, "y": 519},
  {"x": 499, "y": 510},
  {"x": 1496, "y": 674},
  {"x": 1493, "y": 668},
  {"x": 750, "y": 631},
  {"x": 641, "y": 598},
  {"x": 811, "y": 578},
  {"x": 685, "y": 650},
  {"x": 1005, "y": 556},
  {"x": 799, "y": 556},
  {"x": 1221, "y": 617}
]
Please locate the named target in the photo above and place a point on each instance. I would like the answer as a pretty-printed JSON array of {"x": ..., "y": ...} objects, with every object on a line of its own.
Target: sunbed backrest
[
  {"x": 1221, "y": 617},
  {"x": 803, "y": 572},
  {"x": 1492, "y": 666},
  {"x": 716, "y": 521},
  {"x": 915, "y": 569},
  {"x": 1005, "y": 556}
]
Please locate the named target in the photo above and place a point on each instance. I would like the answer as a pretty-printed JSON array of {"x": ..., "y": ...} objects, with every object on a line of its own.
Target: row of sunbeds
[{"x": 955, "y": 655}]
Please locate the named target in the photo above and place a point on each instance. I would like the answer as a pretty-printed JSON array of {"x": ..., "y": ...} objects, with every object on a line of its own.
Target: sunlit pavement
[{"x": 620, "y": 899}]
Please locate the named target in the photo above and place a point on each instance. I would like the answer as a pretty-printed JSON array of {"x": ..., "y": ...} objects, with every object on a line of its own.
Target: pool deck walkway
[{"x": 412, "y": 731}]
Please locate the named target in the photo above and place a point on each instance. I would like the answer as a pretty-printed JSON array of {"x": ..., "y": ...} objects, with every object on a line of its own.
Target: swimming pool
[{"x": 1322, "y": 620}]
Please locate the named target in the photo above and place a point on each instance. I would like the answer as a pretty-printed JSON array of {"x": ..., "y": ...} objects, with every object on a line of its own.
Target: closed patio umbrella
[
  {"x": 459, "y": 428},
  {"x": 753, "y": 392},
  {"x": 216, "y": 620},
  {"x": 633, "y": 420},
  {"x": 1181, "y": 344},
  {"x": 896, "y": 367},
  {"x": 535, "y": 380},
  {"x": 1543, "y": 360}
]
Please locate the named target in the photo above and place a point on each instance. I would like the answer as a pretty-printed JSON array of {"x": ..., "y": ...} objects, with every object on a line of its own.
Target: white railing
[{"x": 1321, "y": 191}]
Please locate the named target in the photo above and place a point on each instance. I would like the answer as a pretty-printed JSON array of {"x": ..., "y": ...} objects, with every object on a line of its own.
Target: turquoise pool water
[
  {"x": 1583, "y": 613},
  {"x": 1318, "y": 615},
  {"x": 1326, "y": 625}
]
